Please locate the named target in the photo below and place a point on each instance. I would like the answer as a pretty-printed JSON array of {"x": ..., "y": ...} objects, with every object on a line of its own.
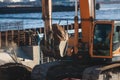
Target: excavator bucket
[{"x": 58, "y": 45}]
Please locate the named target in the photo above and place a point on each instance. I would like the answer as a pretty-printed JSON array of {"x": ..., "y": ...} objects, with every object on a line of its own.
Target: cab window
[{"x": 101, "y": 40}]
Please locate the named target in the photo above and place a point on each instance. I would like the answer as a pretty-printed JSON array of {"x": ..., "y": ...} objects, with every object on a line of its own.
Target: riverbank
[{"x": 11, "y": 10}]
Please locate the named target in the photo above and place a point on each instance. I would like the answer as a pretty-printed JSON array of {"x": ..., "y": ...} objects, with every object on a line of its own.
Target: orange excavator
[{"x": 91, "y": 53}]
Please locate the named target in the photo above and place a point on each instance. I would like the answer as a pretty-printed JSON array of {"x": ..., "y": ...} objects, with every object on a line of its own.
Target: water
[{"x": 107, "y": 11}]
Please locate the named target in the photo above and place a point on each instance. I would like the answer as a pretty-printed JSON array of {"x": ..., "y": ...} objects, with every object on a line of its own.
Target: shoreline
[{"x": 11, "y": 10}]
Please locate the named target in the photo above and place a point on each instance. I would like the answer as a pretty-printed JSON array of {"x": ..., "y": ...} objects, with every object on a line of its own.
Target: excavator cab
[{"x": 102, "y": 39}]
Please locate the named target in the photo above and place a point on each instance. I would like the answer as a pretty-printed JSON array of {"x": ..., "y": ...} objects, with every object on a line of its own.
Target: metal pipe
[
  {"x": 76, "y": 28},
  {"x": 76, "y": 7}
]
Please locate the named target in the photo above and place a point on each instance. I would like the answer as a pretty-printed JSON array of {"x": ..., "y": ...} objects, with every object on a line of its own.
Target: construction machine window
[
  {"x": 118, "y": 32},
  {"x": 101, "y": 40},
  {"x": 116, "y": 38}
]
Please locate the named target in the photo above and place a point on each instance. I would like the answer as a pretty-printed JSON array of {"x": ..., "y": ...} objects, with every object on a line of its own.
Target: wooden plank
[
  {"x": 46, "y": 14},
  {"x": 24, "y": 37},
  {"x": 76, "y": 35},
  {"x": 30, "y": 41},
  {"x": 18, "y": 38},
  {"x": 0, "y": 39},
  {"x": 6, "y": 38},
  {"x": 12, "y": 35}
]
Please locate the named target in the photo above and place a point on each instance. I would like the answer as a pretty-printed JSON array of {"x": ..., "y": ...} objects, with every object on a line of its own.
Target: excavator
[{"x": 92, "y": 52}]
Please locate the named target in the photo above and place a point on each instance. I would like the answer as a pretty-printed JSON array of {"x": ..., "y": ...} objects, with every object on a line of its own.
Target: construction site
[{"x": 87, "y": 49}]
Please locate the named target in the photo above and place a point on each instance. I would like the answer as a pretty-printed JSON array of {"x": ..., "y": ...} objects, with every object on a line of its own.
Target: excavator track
[
  {"x": 100, "y": 72},
  {"x": 85, "y": 72}
]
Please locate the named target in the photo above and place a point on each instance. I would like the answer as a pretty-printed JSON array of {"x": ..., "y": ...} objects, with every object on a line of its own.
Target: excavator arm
[
  {"x": 87, "y": 16},
  {"x": 90, "y": 28}
]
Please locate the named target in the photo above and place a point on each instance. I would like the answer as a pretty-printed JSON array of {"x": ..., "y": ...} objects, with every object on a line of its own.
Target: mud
[{"x": 15, "y": 71}]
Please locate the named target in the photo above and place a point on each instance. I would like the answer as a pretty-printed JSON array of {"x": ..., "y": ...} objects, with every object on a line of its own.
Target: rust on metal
[{"x": 23, "y": 37}]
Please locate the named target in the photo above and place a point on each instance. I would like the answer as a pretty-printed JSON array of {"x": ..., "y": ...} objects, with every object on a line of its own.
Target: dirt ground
[{"x": 15, "y": 71}]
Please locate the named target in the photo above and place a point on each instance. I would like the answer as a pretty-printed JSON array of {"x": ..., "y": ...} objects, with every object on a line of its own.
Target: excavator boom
[{"x": 87, "y": 15}]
